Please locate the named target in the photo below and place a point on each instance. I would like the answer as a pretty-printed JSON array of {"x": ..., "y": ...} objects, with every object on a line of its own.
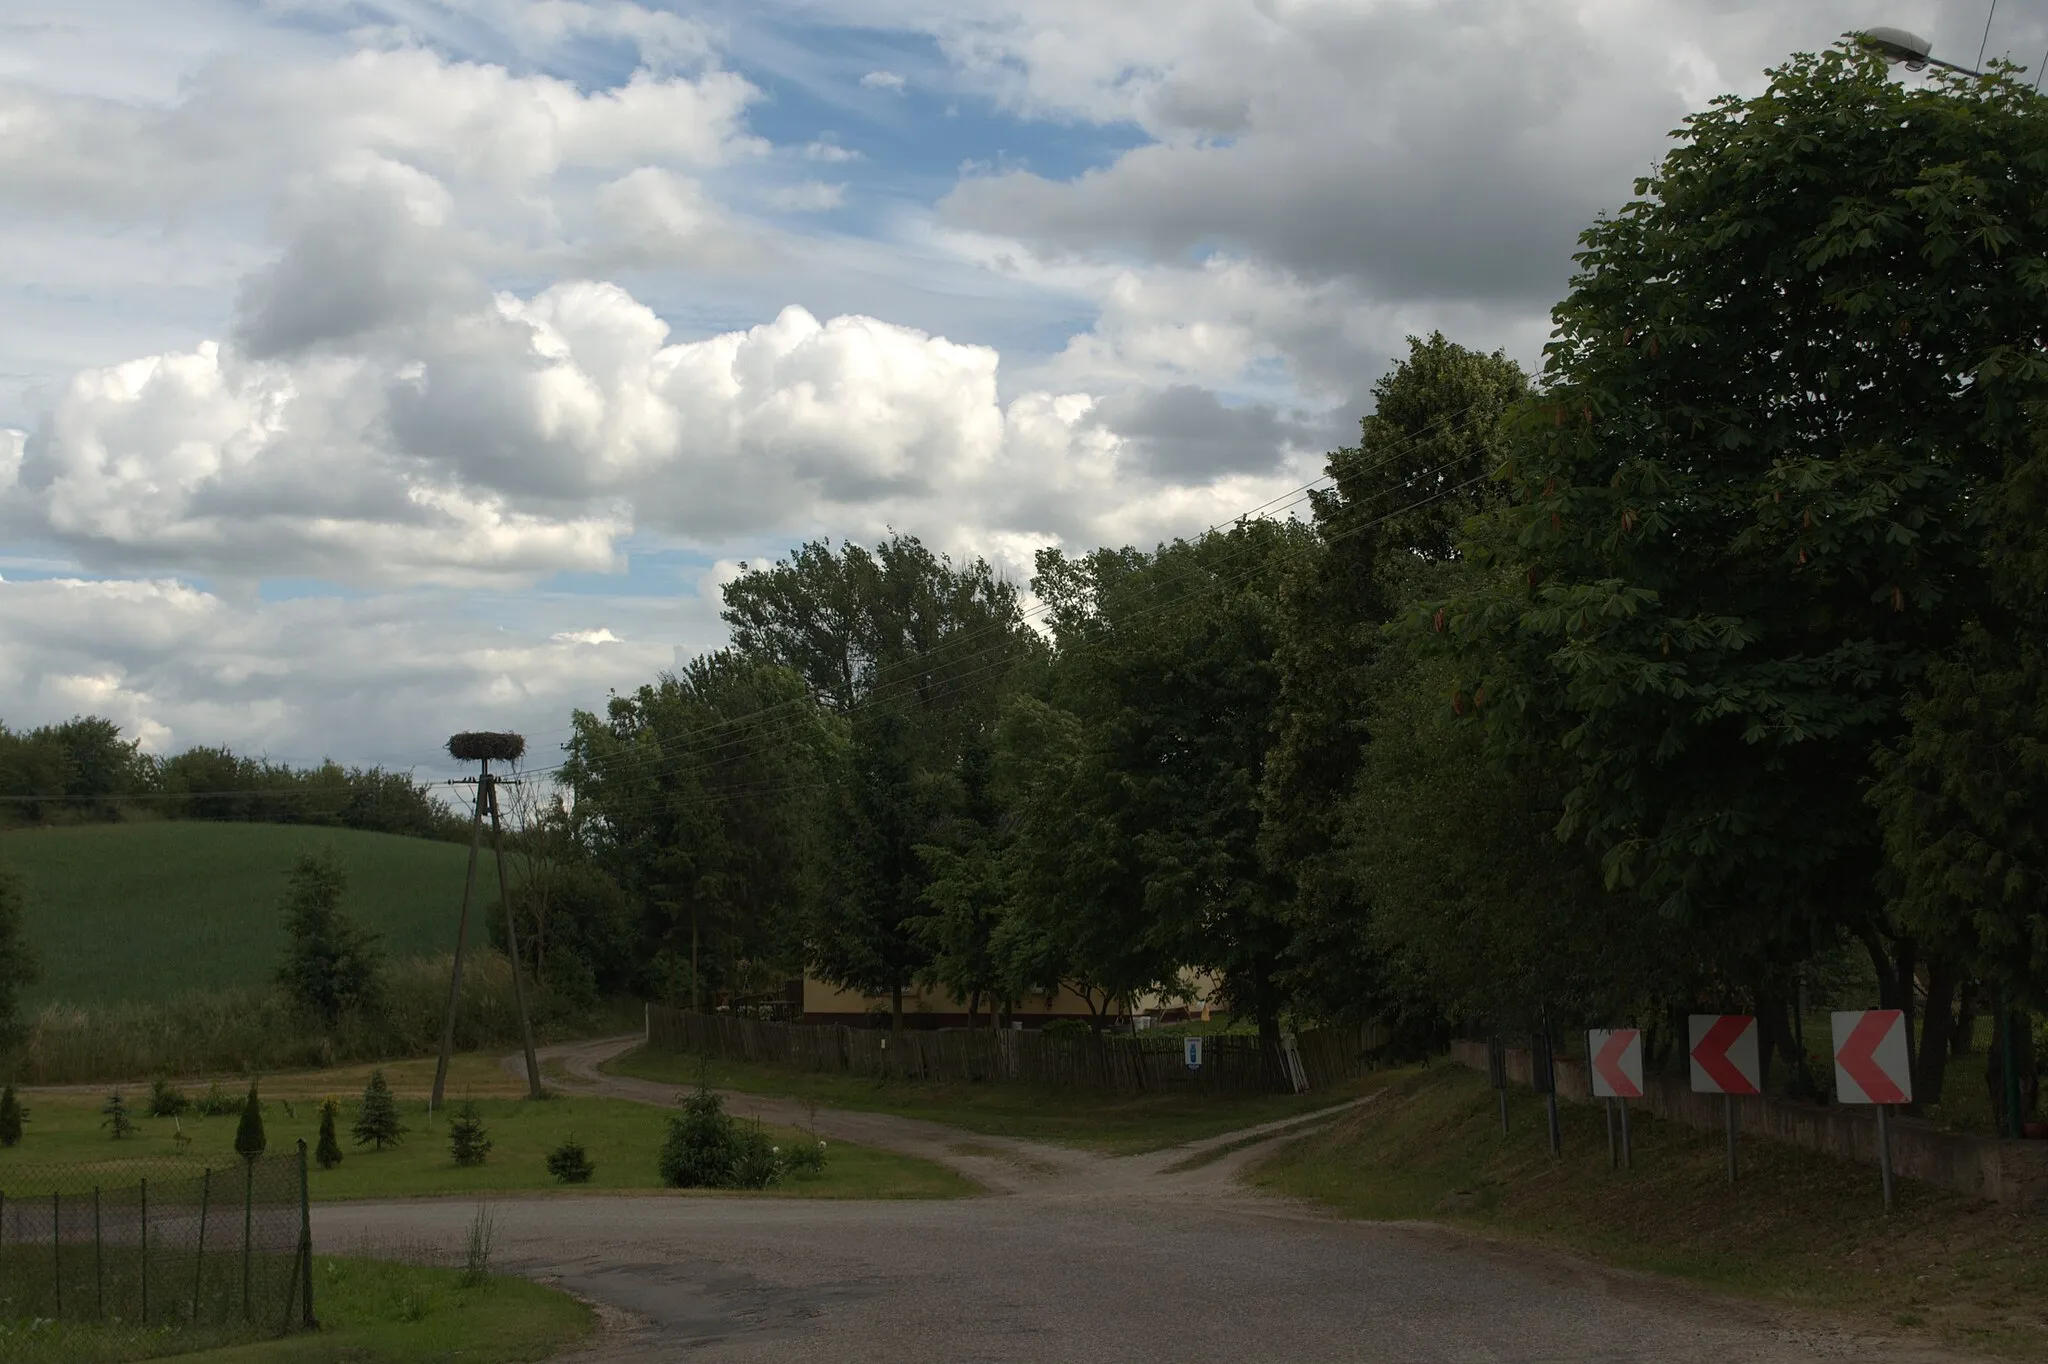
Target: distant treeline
[{"x": 83, "y": 771}]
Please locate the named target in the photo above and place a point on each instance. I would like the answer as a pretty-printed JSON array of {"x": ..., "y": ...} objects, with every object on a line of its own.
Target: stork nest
[{"x": 487, "y": 747}]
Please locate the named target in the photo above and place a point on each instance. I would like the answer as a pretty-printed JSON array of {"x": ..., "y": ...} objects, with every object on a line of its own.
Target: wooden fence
[{"x": 1129, "y": 1063}]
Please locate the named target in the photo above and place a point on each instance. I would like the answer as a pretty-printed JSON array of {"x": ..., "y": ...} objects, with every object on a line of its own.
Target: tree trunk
[
  {"x": 1963, "y": 1040},
  {"x": 2024, "y": 1061},
  {"x": 896, "y": 1009},
  {"x": 1896, "y": 972},
  {"x": 695, "y": 1006},
  {"x": 1930, "y": 1068}
]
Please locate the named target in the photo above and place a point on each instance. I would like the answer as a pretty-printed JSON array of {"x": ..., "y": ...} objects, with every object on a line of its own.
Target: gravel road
[{"x": 1073, "y": 1257}]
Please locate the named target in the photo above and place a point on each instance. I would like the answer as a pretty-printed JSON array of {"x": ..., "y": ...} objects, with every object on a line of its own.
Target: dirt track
[{"x": 1072, "y": 1257}]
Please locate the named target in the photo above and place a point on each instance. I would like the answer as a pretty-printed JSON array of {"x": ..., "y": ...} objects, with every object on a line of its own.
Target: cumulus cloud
[
  {"x": 382, "y": 679},
  {"x": 811, "y": 196},
  {"x": 883, "y": 80}
]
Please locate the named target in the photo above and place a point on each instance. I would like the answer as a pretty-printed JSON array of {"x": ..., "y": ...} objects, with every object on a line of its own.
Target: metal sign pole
[
  {"x": 1884, "y": 1151},
  {"x": 1613, "y": 1148},
  {"x": 1627, "y": 1154},
  {"x": 1728, "y": 1107}
]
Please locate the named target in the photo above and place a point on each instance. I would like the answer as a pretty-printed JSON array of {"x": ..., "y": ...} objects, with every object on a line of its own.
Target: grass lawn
[
  {"x": 1798, "y": 1228},
  {"x": 1119, "y": 1124},
  {"x": 622, "y": 1138},
  {"x": 148, "y": 911},
  {"x": 370, "y": 1311}
]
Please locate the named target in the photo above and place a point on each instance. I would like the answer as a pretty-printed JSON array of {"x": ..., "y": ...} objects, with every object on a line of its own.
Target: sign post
[
  {"x": 1872, "y": 1067},
  {"x": 1614, "y": 1065},
  {"x": 1725, "y": 1062},
  {"x": 1191, "y": 1052}
]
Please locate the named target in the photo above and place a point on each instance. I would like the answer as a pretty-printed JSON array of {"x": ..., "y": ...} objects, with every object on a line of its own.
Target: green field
[
  {"x": 65, "y": 1134},
  {"x": 148, "y": 911}
]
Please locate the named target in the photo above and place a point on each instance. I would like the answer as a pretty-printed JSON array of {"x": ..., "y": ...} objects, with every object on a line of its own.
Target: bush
[
  {"x": 116, "y": 1110},
  {"x": 706, "y": 1149},
  {"x": 328, "y": 1151},
  {"x": 249, "y": 1138},
  {"x": 217, "y": 1103},
  {"x": 377, "y": 1122},
  {"x": 804, "y": 1159},
  {"x": 12, "y": 1116},
  {"x": 166, "y": 1100},
  {"x": 698, "y": 1153},
  {"x": 569, "y": 1163},
  {"x": 467, "y": 1140}
]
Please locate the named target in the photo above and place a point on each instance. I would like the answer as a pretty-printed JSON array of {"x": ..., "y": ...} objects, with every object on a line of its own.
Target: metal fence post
[
  {"x": 57, "y": 1250},
  {"x": 248, "y": 1203},
  {"x": 145, "y": 1250},
  {"x": 199, "y": 1257},
  {"x": 306, "y": 1237},
  {"x": 99, "y": 1260}
]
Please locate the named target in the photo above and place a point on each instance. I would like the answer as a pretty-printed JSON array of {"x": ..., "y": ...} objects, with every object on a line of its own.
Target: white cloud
[
  {"x": 883, "y": 80},
  {"x": 826, "y": 150},
  {"x": 811, "y": 196}
]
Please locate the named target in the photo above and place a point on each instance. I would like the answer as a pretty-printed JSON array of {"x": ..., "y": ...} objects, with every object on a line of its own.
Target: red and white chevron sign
[
  {"x": 1724, "y": 1056},
  {"x": 1871, "y": 1066},
  {"x": 1615, "y": 1063}
]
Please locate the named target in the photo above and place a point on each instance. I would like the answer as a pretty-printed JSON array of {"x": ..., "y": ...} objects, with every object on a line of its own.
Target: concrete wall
[{"x": 2011, "y": 1172}]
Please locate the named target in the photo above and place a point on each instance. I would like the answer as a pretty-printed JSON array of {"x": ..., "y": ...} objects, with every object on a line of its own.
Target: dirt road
[{"x": 1072, "y": 1257}]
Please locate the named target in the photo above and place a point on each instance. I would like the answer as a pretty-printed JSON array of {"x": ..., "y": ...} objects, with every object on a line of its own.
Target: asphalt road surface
[{"x": 1072, "y": 1257}]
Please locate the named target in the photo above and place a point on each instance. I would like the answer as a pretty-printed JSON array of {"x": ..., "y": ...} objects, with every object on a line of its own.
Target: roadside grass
[
  {"x": 64, "y": 1134},
  {"x": 370, "y": 1312},
  {"x": 1116, "y": 1124},
  {"x": 1797, "y": 1228}
]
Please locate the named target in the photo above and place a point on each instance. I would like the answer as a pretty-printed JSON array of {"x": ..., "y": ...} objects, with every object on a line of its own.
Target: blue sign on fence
[{"x": 1194, "y": 1052}]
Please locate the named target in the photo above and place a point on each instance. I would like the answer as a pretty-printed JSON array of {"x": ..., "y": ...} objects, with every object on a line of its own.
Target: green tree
[
  {"x": 569, "y": 1163},
  {"x": 698, "y": 793},
  {"x": 327, "y": 1150},
  {"x": 468, "y": 1143},
  {"x": 331, "y": 965},
  {"x": 377, "y": 1121},
  {"x": 18, "y": 967},
  {"x": 249, "y": 1138},
  {"x": 1744, "y": 512},
  {"x": 1167, "y": 661},
  {"x": 1388, "y": 530},
  {"x": 12, "y": 1116},
  {"x": 914, "y": 654}
]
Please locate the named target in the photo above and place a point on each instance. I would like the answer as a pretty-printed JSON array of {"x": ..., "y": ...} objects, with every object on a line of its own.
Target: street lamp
[{"x": 1909, "y": 49}]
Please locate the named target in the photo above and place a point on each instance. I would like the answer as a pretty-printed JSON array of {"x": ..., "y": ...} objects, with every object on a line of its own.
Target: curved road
[{"x": 1073, "y": 1257}]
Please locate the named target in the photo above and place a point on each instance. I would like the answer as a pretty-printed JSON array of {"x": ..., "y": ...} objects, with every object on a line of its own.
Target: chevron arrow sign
[
  {"x": 1724, "y": 1055},
  {"x": 1870, "y": 1057},
  {"x": 1615, "y": 1063}
]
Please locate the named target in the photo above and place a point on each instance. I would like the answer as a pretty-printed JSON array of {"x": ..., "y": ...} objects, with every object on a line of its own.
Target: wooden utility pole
[{"x": 481, "y": 748}]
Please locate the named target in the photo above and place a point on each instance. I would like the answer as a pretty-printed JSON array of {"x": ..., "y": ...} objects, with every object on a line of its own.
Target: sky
[{"x": 376, "y": 369}]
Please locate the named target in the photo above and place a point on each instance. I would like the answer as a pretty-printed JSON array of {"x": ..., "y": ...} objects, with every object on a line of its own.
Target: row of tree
[
  {"x": 83, "y": 770},
  {"x": 1704, "y": 669}
]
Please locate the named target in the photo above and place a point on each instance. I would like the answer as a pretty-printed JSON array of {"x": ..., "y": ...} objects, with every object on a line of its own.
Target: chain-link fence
[{"x": 158, "y": 1244}]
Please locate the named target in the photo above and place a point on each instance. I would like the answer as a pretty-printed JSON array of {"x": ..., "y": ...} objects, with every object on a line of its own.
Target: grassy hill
[{"x": 152, "y": 910}]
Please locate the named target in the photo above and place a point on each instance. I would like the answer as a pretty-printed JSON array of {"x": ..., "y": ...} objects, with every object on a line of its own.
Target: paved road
[{"x": 1077, "y": 1258}]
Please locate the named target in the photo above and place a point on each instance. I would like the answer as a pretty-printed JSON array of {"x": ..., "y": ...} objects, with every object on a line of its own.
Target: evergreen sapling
[
  {"x": 467, "y": 1141},
  {"x": 569, "y": 1163},
  {"x": 12, "y": 1116},
  {"x": 377, "y": 1122},
  {"x": 166, "y": 1100},
  {"x": 328, "y": 1151},
  {"x": 116, "y": 1111},
  {"x": 249, "y": 1138}
]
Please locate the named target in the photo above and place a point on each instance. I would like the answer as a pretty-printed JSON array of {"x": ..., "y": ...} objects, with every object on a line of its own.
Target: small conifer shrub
[
  {"x": 467, "y": 1140},
  {"x": 12, "y": 1116},
  {"x": 328, "y": 1151},
  {"x": 377, "y": 1121},
  {"x": 569, "y": 1163},
  {"x": 116, "y": 1116},
  {"x": 249, "y": 1138}
]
